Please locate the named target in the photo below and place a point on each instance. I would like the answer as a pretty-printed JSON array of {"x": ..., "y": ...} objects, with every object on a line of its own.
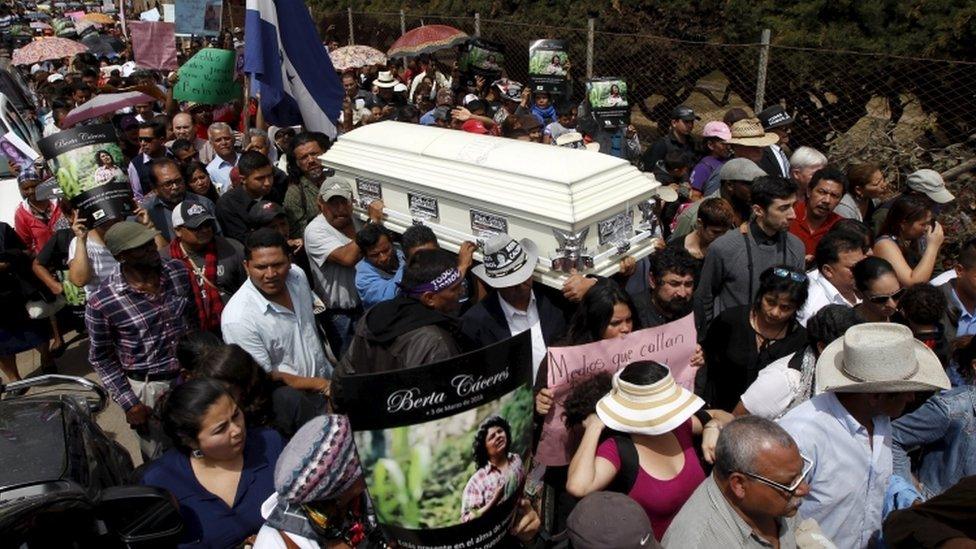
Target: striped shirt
[{"x": 132, "y": 331}]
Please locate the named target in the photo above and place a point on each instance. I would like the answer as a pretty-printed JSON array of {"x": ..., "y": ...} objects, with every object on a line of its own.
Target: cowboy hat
[
  {"x": 879, "y": 357},
  {"x": 749, "y": 132},
  {"x": 507, "y": 262},
  {"x": 652, "y": 409}
]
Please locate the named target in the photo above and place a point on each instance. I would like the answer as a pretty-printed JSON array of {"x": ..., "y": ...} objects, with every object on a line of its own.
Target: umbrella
[
  {"x": 98, "y": 18},
  {"x": 46, "y": 49},
  {"x": 426, "y": 39},
  {"x": 101, "y": 45},
  {"x": 354, "y": 57},
  {"x": 105, "y": 103},
  {"x": 39, "y": 25}
]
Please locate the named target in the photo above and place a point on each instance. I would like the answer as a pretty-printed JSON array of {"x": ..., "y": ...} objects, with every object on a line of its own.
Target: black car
[{"x": 64, "y": 482}]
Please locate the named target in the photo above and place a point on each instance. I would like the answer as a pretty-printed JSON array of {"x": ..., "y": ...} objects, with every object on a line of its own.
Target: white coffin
[{"x": 465, "y": 186}]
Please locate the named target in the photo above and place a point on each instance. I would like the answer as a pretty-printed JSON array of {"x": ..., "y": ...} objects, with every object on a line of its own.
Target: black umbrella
[{"x": 102, "y": 45}]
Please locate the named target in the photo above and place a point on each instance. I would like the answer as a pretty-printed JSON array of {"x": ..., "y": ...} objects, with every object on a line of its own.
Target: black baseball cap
[
  {"x": 682, "y": 112},
  {"x": 263, "y": 212}
]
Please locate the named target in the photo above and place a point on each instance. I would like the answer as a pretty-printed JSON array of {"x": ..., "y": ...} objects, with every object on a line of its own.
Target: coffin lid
[{"x": 545, "y": 181}]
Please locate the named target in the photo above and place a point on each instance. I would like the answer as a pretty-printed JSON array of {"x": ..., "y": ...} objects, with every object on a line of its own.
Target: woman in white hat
[{"x": 653, "y": 458}]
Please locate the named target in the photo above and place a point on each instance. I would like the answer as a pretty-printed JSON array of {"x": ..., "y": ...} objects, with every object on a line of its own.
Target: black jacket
[
  {"x": 769, "y": 164},
  {"x": 485, "y": 322}
]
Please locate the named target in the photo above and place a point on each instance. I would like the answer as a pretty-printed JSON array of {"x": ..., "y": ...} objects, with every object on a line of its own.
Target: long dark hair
[
  {"x": 595, "y": 311},
  {"x": 184, "y": 408},
  {"x": 235, "y": 367},
  {"x": 906, "y": 209},
  {"x": 780, "y": 280},
  {"x": 480, "y": 453},
  {"x": 192, "y": 167}
]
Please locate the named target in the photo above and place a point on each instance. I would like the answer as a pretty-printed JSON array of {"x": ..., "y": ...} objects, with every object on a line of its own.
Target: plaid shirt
[
  {"x": 485, "y": 483},
  {"x": 132, "y": 331}
]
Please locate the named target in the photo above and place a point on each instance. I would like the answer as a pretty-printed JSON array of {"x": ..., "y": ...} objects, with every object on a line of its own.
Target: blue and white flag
[{"x": 283, "y": 53}]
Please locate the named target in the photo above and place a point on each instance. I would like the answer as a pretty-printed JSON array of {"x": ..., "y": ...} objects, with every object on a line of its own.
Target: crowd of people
[{"x": 833, "y": 401}]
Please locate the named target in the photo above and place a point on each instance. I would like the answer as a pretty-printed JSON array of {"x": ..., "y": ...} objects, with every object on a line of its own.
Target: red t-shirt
[
  {"x": 662, "y": 499},
  {"x": 801, "y": 229}
]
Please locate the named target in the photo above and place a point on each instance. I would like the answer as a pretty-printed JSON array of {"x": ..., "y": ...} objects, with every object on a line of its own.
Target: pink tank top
[{"x": 662, "y": 499}]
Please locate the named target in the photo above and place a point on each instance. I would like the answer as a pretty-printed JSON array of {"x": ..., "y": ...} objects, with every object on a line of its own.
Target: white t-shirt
[
  {"x": 334, "y": 284},
  {"x": 774, "y": 388},
  {"x": 103, "y": 265}
]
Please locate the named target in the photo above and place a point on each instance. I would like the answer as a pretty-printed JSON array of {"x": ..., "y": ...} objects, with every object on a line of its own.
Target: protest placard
[
  {"x": 483, "y": 58},
  {"x": 429, "y": 436},
  {"x": 154, "y": 44},
  {"x": 149, "y": 15},
  {"x": 208, "y": 77},
  {"x": 16, "y": 149},
  {"x": 671, "y": 344},
  {"x": 547, "y": 65},
  {"x": 608, "y": 101},
  {"x": 85, "y": 160},
  {"x": 199, "y": 17}
]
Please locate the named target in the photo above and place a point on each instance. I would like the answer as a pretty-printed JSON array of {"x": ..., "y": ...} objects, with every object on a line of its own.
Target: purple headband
[{"x": 442, "y": 281}]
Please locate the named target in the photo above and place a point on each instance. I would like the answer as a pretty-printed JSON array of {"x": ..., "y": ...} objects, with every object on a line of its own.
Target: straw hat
[
  {"x": 749, "y": 133},
  {"x": 647, "y": 409},
  {"x": 879, "y": 357},
  {"x": 385, "y": 80}
]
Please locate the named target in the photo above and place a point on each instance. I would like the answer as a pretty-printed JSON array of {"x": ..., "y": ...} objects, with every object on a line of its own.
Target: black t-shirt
[
  {"x": 733, "y": 360},
  {"x": 232, "y": 213},
  {"x": 54, "y": 254}
]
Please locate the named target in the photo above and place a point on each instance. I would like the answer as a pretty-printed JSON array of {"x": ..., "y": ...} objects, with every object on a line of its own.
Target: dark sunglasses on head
[
  {"x": 881, "y": 299},
  {"x": 792, "y": 275}
]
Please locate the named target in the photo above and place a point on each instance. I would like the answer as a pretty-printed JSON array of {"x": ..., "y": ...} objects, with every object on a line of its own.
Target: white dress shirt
[
  {"x": 784, "y": 163},
  {"x": 219, "y": 170},
  {"x": 821, "y": 293},
  {"x": 850, "y": 470},
  {"x": 520, "y": 321},
  {"x": 278, "y": 338}
]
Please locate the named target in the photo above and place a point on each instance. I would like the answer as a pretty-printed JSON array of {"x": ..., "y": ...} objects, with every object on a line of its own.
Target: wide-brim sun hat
[
  {"x": 879, "y": 357},
  {"x": 507, "y": 262},
  {"x": 385, "y": 80},
  {"x": 749, "y": 133},
  {"x": 652, "y": 409}
]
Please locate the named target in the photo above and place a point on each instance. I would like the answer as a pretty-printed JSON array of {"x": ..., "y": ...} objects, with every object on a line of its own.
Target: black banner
[
  {"x": 547, "y": 65},
  {"x": 445, "y": 447},
  {"x": 482, "y": 58},
  {"x": 87, "y": 161}
]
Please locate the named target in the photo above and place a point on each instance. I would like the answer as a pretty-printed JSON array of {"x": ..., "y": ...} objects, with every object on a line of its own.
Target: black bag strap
[{"x": 629, "y": 465}]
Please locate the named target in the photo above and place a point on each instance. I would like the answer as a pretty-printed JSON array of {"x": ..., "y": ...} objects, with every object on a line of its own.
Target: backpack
[{"x": 626, "y": 476}]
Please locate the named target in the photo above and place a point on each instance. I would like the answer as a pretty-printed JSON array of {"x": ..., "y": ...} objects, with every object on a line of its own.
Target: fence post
[
  {"x": 477, "y": 24},
  {"x": 761, "y": 78},
  {"x": 352, "y": 39},
  {"x": 403, "y": 23},
  {"x": 590, "y": 26}
]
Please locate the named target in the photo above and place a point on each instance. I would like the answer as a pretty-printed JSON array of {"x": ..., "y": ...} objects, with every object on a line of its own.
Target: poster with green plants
[
  {"x": 482, "y": 57},
  {"x": 548, "y": 65},
  {"x": 445, "y": 447},
  {"x": 86, "y": 161},
  {"x": 608, "y": 101}
]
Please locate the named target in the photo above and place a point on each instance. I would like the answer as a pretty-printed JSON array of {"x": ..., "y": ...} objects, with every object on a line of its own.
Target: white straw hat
[
  {"x": 647, "y": 409},
  {"x": 879, "y": 357}
]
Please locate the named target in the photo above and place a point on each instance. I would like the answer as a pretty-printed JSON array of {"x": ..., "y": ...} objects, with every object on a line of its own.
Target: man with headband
[{"x": 417, "y": 327}]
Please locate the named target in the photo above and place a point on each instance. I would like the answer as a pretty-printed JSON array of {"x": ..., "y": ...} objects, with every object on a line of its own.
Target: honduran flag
[{"x": 283, "y": 53}]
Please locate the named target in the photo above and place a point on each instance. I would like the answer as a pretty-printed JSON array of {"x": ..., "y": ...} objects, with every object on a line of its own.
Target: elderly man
[
  {"x": 832, "y": 282},
  {"x": 750, "y": 501},
  {"x": 225, "y": 155},
  {"x": 805, "y": 162},
  {"x": 333, "y": 255},
  {"x": 135, "y": 320},
  {"x": 183, "y": 129},
  {"x": 515, "y": 303},
  {"x": 863, "y": 380}
]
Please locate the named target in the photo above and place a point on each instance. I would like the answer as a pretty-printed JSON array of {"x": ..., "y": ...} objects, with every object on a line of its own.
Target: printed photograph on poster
[
  {"x": 483, "y": 57},
  {"x": 16, "y": 150},
  {"x": 608, "y": 101},
  {"x": 87, "y": 163},
  {"x": 547, "y": 65},
  {"x": 672, "y": 344},
  {"x": 447, "y": 452}
]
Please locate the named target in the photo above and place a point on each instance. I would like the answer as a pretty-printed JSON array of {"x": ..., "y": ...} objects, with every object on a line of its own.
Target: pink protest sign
[
  {"x": 74, "y": 15},
  {"x": 672, "y": 344},
  {"x": 154, "y": 44}
]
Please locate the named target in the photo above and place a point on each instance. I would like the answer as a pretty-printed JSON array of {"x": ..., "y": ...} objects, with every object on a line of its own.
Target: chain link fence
[{"x": 856, "y": 106}]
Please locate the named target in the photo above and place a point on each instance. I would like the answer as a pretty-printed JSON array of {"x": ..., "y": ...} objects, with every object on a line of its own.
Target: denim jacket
[{"x": 945, "y": 428}]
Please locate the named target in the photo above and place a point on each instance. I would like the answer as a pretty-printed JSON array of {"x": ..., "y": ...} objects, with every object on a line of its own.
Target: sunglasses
[
  {"x": 881, "y": 299},
  {"x": 792, "y": 488},
  {"x": 792, "y": 275},
  {"x": 146, "y": 139}
]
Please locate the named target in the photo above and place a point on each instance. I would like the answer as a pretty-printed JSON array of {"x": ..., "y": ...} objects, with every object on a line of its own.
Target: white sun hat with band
[
  {"x": 507, "y": 262},
  {"x": 879, "y": 357},
  {"x": 652, "y": 409}
]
